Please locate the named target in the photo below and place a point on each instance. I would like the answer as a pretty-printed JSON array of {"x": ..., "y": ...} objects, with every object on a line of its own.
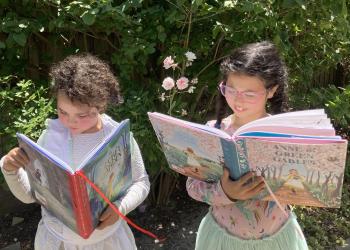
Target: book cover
[
  {"x": 65, "y": 194},
  {"x": 303, "y": 163}
]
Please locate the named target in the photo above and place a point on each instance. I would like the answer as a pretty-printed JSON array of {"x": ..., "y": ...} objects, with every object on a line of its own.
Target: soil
[{"x": 177, "y": 222}]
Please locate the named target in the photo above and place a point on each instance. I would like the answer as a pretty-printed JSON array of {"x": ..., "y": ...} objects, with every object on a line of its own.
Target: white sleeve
[
  {"x": 140, "y": 186},
  {"x": 18, "y": 181}
]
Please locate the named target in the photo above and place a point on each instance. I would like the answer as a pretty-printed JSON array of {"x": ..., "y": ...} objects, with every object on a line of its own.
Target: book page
[
  {"x": 308, "y": 120},
  {"x": 190, "y": 151},
  {"x": 40, "y": 150},
  {"x": 279, "y": 131},
  {"x": 154, "y": 116},
  {"x": 302, "y": 174},
  {"x": 49, "y": 184}
]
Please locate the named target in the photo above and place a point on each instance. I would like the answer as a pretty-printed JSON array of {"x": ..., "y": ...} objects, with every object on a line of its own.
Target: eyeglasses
[{"x": 246, "y": 96}]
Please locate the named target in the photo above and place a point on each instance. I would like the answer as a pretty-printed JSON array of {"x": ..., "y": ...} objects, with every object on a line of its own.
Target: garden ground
[{"x": 178, "y": 222}]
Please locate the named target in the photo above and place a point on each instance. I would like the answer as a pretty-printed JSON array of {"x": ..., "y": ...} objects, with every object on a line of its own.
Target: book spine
[{"x": 81, "y": 205}]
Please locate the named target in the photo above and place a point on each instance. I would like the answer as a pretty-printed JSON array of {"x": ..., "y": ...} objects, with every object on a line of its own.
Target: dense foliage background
[{"x": 135, "y": 37}]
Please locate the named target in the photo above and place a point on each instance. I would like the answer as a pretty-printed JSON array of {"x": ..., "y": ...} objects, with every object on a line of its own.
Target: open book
[
  {"x": 298, "y": 153},
  {"x": 57, "y": 187}
]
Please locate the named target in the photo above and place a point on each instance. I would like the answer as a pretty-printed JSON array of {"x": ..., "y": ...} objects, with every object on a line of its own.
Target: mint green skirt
[{"x": 212, "y": 237}]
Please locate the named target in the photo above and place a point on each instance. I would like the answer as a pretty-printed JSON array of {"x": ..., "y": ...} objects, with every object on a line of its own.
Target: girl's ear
[{"x": 272, "y": 91}]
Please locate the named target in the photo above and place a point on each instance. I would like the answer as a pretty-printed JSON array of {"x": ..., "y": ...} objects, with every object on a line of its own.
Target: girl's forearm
[{"x": 210, "y": 193}]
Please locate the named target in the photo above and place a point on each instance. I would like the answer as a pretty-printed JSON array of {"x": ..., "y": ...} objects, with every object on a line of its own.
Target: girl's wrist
[{"x": 225, "y": 193}]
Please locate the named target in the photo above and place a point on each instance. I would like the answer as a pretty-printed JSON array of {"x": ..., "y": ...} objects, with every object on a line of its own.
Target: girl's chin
[
  {"x": 238, "y": 110},
  {"x": 74, "y": 131}
]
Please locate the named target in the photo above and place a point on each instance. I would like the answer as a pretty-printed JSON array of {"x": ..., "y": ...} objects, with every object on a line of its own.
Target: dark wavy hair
[
  {"x": 261, "y": 60},
  {"x": 86, "y": 79}
]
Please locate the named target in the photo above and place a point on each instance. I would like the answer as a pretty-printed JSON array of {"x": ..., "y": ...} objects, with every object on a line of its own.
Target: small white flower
[
  {"x": 194, "y": 80},
  {"x": 162, "y": 97},
  {"x": 188, "y": 63},
  {"x": 191, "y": 89},
  {"x": 168, "y": 83},
  {"x": 190, "y": 56},
  {"x": 183, "y": 112}
]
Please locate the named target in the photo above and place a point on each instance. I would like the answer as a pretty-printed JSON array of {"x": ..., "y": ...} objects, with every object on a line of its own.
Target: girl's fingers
[
  {"x": 105, "y": 214},
  {"x": 23, "y": 156},
  {"x": 108, "y": 221},
  {"x": 254, "y": 184},
  {"x": 102, "y": 225},
  {"x": 226, "y": 174},
  {"x": 9, "y": 166},
  {"x": 13, "y": 162},
  {"x": 17, "y": 157},
  {"x": 246, "y": 177},
  {"x": 20, "y": 158},
  {"x": 258, "y": 188}
]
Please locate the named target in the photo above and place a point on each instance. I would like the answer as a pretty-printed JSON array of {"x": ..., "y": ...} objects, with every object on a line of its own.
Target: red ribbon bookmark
[{"x": 116, "y": 210}]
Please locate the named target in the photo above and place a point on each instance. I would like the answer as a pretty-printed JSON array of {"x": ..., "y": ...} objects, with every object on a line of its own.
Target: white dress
[{"x": 51, "y": 233}]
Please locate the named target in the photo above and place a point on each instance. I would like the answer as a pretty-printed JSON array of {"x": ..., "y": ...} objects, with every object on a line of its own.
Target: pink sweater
[{"x": 250, "y": 219}]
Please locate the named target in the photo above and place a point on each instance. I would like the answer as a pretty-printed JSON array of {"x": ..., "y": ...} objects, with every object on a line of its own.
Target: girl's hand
[
  {"x": 245, "y": 188},
  {"x": 15, "y": 159},
  {"x": 108, "y": 217}
]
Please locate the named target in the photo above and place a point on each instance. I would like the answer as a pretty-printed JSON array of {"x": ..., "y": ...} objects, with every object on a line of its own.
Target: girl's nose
[
  {"x": 72, "y": 120},
  {"x": 239, "y": 97}
]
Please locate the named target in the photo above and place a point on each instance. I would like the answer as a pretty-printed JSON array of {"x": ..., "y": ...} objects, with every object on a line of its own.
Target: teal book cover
[{"x": 57, "y": 187}]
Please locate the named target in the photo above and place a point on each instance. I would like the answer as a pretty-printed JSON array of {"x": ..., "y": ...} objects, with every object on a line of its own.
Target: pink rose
[
  {"x": 182, "y": 83},
  {"x": 169, "y": 62},
  {"x": 168, "y": 83}
]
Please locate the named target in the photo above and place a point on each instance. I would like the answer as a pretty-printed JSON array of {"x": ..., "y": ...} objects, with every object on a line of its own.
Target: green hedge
[{"x": 135, "y": 37}]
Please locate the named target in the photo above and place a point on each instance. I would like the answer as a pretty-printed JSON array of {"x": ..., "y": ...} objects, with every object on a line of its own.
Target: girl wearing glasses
[{"x": 254, "y": 77}]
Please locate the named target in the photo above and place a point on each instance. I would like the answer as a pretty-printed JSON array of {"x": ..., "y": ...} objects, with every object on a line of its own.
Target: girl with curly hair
[{"x": 83, "y": 86}]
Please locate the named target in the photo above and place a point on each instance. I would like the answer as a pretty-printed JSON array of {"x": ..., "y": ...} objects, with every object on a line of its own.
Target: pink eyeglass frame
[{"x": 222, "y": 88}]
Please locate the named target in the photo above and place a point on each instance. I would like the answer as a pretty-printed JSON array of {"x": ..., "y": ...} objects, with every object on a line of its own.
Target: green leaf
[
  {"x": 150, "y": 50},
  {"x": 217, "y": 29},
  {"x": 88, "y": 18},
  {"x": 162, "y": 37},
  {"x": 289, "y": 4},
  {"x": 2, "y": 45},
  {"x": 51, "y": 26},
  {"x": 197, "y": 2},
  {"x": 20, "y": 38},
  {"x": 4, "y": 3},
  {"x": 344, "y": 10}
]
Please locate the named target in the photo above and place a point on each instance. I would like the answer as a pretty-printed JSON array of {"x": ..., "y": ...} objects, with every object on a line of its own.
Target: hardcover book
[
  {"x": 298, "y": 153},
  {"x": 57, "y": 187}
]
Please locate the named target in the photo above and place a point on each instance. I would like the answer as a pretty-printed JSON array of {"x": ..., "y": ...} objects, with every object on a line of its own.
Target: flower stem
[
  {"x": 171, "y": 106},
  {"x": 189, "y": 26}
]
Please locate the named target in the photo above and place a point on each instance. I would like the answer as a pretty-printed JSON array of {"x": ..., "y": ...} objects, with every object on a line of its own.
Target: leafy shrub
[
  {"x": 336, "y": 102},
  {"x": 135, "y": 36},
  {"x": 24, "y": 108}
]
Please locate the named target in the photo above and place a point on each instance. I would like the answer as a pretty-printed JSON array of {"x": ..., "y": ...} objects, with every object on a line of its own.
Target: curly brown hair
[{"x": 86, "y": 79}]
